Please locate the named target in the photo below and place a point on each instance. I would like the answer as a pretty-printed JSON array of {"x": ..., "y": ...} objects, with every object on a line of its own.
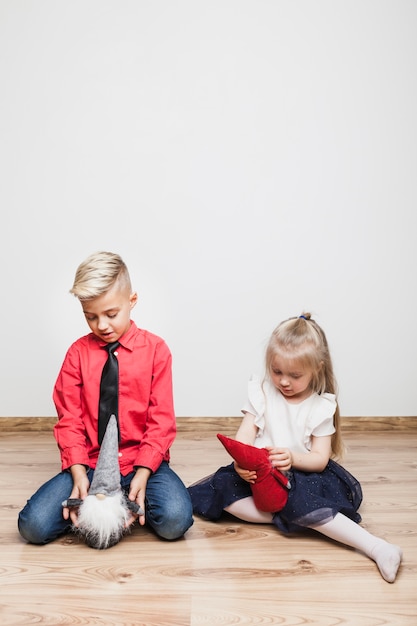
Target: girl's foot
[{"x": 388, "y": 558}]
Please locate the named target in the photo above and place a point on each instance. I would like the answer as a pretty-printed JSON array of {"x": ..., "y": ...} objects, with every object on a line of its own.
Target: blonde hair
[
  {"x": 98, "y": 273},
  {"x": 302, "y": 339}
]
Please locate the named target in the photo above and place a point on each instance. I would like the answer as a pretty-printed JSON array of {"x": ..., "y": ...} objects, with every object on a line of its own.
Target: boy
[{"x": 145, "y": 413}]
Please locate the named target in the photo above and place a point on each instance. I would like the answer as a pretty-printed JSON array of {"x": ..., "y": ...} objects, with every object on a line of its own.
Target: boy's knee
[
  {"x": 33, "y": 529},
  {"x": 29, "y": 531},
  {"x": 174, "y": 529},
  {"x": 173, "y": 524}
]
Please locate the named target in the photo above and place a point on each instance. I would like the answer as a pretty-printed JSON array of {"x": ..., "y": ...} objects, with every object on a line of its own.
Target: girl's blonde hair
[
  {"x": 302, "y": 339},
  {"x": 98, "y": 273}
]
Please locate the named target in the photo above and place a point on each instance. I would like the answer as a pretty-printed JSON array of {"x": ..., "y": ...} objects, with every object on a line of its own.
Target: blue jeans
[{"x": 168, "y": 506}]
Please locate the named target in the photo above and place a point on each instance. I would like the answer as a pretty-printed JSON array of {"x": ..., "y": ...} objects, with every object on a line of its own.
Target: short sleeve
[
  {"x": 256, "y": 403},
  {"x": 321, "y": 419}
]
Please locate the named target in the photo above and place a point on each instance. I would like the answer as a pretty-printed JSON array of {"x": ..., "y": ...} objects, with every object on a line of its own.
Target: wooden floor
[{"x": 224, "y": 573}]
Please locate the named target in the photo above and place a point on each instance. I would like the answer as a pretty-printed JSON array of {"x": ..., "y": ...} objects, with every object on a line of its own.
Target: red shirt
[{"x": 146, "y": 408}]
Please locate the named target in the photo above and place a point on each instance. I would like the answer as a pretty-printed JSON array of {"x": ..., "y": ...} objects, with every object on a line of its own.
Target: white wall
[{"x": 248, "y": 158}]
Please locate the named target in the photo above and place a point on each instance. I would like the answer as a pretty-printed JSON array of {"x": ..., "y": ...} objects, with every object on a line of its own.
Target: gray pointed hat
[{"x": 106, "y": 479}]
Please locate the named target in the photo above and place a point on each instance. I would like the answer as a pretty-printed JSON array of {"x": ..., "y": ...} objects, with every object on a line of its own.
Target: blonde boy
[{"x": 146, "y": 419}]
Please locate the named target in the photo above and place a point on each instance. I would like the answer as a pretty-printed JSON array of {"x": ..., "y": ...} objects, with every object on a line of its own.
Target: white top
[{"x": 287, "y": 425}]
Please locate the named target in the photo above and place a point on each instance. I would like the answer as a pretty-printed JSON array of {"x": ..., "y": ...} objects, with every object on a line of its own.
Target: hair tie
[{"x": 302, "y": 317}]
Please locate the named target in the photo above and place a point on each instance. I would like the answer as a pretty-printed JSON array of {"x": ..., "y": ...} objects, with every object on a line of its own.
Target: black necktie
[{"x": 109, "y": 390}]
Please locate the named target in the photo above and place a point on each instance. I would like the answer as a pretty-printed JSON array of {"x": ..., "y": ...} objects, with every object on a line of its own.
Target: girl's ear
[{"x": 133, "y": 299}]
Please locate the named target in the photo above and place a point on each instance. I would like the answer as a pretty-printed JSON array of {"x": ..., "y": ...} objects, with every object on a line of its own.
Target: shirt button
[
  {"x": 120, "y": 454},
  {"x": 116, "y": 353}
]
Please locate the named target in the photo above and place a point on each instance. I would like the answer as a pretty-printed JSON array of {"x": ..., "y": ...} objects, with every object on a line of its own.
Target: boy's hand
[
  {"x": 249, "y": 475},
  {"x": 137, "y": 493},
  {"x": 79, "y": 491}
]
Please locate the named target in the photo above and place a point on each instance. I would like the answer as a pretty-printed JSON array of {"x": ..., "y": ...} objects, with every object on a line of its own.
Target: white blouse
[{"x": 287, "y": 425}]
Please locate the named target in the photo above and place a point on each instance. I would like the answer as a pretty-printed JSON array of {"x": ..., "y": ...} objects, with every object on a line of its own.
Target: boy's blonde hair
[
  {"x": 98, "y": 273},
  {"x": 302, "y": 339}
]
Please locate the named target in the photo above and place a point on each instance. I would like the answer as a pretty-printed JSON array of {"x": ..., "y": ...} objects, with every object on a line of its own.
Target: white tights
[{"x": 386, "y": 555}]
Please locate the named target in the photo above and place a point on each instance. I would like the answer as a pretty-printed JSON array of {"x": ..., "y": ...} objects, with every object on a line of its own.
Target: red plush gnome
[{"x": 270, "y": 491}]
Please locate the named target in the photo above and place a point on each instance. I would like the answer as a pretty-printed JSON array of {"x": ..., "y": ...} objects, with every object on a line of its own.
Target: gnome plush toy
[
  {"x": 270, "y": 490},
  {"x": 103, "y": 514}
]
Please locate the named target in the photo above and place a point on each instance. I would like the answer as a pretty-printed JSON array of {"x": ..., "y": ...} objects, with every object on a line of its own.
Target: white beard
[{"x": 102, "y": 522}]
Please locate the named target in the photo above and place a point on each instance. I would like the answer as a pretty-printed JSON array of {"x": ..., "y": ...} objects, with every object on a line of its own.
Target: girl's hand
[
  {"x": 281, "y": 458},
  {"x": 248, "y": 475},
  {"x": 313, "y": 461},
  {"x": 137, "y": 493}
]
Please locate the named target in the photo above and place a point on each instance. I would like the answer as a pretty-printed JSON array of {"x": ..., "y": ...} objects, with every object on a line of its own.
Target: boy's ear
[{"x": 133, "y": 299}]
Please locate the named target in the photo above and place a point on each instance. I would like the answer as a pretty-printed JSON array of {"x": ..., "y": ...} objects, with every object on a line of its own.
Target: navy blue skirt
[{"x": 314, "y": 498}]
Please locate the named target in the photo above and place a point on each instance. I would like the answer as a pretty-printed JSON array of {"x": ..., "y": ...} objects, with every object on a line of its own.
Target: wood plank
[{"x": 222, "y": 573}]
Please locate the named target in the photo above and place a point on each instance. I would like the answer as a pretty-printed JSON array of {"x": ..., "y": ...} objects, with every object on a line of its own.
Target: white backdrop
[{"x": 247, "y": 158}]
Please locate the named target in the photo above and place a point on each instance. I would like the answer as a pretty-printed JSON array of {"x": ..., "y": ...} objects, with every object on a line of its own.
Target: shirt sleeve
[
  {"x": 69, "y": 431},
  {"x": 321, "y": 420},
  {"x": 255, "y": 403},
  {"x": 160, "y": 429}
]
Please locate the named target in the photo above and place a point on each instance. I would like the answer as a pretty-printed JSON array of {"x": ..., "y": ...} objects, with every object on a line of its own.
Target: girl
[{"x": 294, "y": 414}]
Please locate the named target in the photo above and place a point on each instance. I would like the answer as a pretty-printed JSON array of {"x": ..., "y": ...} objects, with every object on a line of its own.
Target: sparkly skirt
[{"x": 314, "y": 497}]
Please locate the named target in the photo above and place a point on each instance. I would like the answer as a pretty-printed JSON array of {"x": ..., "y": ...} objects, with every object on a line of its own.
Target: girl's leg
[
  {"x": 246, "y": 510},
  {"x": 386, "y": 555},
  {"x": 41, "y": 521}
]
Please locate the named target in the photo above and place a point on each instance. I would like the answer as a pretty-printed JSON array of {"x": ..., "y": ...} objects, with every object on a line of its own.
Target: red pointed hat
[{"x": 270, "y": 491}]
